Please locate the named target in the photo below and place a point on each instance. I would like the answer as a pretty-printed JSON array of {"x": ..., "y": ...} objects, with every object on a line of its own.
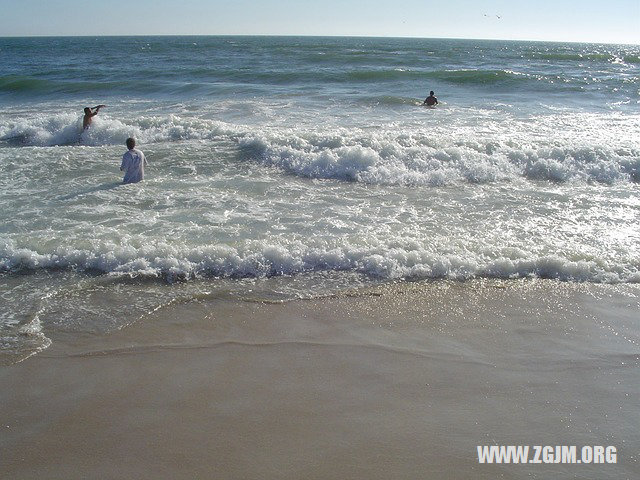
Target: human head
[
  {"x": 431, "y": 93},
  {"x": 131, "y": 143},
  {"x": 87, "y": 110}
]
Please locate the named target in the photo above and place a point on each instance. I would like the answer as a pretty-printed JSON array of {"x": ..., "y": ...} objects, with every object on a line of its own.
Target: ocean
[{"x": 301, "y": 167}]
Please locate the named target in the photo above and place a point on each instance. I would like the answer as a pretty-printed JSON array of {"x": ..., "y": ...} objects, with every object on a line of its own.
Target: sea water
[{"x": 286, "y": 167}]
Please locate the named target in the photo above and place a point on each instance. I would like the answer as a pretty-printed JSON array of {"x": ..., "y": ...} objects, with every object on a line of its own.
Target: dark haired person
[
  {"x": 89, "y": 113},
  {"x": 430, "y": 101},
  {"x": 133, "y": 163}
]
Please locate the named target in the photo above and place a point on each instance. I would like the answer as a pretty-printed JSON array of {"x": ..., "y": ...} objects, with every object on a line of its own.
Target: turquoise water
[
  {"x": 289, "y": 167},
  {"x": 392, "y": 71}
]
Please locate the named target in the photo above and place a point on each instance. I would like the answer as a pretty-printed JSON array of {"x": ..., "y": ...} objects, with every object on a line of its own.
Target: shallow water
[
  {"x": 392, "y": 382},
  {"x": 310, "y": 162}
]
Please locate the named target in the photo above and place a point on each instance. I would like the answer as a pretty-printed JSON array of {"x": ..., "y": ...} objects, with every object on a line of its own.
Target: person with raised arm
[{"x": 89, "y": 113}]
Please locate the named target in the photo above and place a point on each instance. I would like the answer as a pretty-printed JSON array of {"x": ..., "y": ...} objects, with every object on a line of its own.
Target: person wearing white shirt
[{"x": 133, "y": 163}]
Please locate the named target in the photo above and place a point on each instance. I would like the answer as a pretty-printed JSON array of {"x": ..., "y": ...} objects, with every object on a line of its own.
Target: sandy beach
[
  {"x": 392, "y": 382},
  {"x": 319, "y": 277}
]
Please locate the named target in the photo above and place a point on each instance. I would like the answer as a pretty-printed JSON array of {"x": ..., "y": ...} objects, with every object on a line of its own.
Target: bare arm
[{"x": 97, "y": 109}]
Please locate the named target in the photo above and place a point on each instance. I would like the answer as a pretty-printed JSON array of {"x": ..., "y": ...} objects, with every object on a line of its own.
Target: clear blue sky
[{"x": 612, "y": 21}]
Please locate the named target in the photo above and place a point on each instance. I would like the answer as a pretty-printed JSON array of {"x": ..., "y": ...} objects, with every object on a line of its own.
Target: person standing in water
[
  {"x": 430, "y": 101},
  {"x": 133, "y": 163},
  {"x": 89, "y": 113}
]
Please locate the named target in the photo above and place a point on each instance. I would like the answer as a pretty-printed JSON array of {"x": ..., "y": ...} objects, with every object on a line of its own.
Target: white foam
[
  {"x": 484, "y": 149},
  {"x": 507, "y": 153},
  {"x": 558, "y": 148},
  {"x": 406, "y": 159},
  {"x": 46, "y": 130},
  {"x": 22, "y": 341},
  {"x": 388, "y": 260}
]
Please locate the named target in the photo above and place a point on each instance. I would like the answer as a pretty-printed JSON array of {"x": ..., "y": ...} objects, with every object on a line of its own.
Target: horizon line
[{"x": 316, "y": 36}]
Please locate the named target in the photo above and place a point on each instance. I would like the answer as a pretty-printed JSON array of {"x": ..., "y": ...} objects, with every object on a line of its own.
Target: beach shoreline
[
  {"x": 400, "y": 380},
  {"x": 318, "y": 278}
]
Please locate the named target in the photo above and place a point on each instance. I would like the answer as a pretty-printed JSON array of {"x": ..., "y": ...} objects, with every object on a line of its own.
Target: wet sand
[{"x": 401, "y": 381}]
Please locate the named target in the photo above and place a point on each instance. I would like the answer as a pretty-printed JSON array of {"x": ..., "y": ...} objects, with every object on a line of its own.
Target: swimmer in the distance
[
  {"x": 89, "y": 113},
  {"x": 430, "y": 101}
]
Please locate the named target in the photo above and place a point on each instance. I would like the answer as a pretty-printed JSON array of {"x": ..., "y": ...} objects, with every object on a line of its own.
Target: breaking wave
[
  {"x": 66, "y": 130},
  {"x": 265, "y": 259},
  {"x": 433, "y": 156},
  {"x": 410, "y": 161}
]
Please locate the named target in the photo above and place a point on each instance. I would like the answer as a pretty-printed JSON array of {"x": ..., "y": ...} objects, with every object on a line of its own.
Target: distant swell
[
  {"x": 478, "y": 77},
  {"x": 206, "y": 81},
  {"x": 583, "y": 57},
  {"x": 16, "y": 84}
]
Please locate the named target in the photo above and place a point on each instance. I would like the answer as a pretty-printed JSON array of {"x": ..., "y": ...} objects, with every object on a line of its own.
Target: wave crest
[
  {"x": 263, "y": 259},
  {"x": 411, "y": 160},
  {"x": 437, "y": 155},
  {"x": 66, "y": 129}
]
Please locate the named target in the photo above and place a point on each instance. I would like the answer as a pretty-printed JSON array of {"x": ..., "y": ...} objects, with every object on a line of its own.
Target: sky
[{"x": 612, "y": 21}]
